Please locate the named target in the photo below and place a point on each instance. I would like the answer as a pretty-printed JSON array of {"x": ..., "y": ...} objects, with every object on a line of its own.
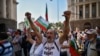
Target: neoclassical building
[
  {"x": 85, "y": 13},
  {"x": 8, "y": 15}
]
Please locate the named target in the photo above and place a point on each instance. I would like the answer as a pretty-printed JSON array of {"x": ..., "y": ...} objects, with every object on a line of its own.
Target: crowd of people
[{"x": 62, "y": 42}]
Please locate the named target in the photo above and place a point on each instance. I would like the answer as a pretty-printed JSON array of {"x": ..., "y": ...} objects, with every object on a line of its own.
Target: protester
[
  {"x": 51, "y": 46},
  {"x": 92, "y": 46},
  {"x": 6, "y": 48},
  {"x": 36, "y": 49},
  {"x": 17, "y": 43},
  {"x": 98, "y": 32},
  {"x": 9, "y": 36},
  {"x": 25, "y": 44}
]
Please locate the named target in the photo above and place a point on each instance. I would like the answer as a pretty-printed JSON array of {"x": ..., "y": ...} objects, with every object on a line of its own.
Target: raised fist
[
  {"x": 67, "y": 15},
  {"x": 28, "y": 15}
]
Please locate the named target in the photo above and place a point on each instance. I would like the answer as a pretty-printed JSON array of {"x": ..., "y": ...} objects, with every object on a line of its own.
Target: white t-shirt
[
  {"x": 50, "y": 49},
  {"x": 36, "y": 50},
  {"x": 66, "y": 43}
]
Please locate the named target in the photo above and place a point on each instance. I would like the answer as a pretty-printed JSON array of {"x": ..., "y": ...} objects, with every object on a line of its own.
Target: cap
[
  {"x": 66, "y": 13},
  {"x": 91, "y": 31}
]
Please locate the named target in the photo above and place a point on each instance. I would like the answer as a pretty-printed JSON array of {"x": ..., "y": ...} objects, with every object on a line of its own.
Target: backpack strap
[
  {"x": 3, "y": 48},
  {"x": 56, "y": 46},
  {"x": 44, "y": 43}
]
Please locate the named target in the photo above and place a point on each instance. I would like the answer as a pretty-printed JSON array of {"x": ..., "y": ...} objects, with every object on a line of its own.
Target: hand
[
  {"x": 67, "y": 15},
  {"x": 28, "y": 15},
  {"x": 28, "y": 37}
]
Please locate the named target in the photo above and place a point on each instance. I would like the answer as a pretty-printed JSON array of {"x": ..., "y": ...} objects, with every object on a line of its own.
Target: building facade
[
  {"x": 85, "y": 13},
  {"x": 8, "y": 15},
  {"x": 21, "y": 26}
]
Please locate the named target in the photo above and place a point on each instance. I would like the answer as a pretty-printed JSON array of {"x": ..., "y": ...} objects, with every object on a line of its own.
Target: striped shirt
[{"x": 6, "y": 49}]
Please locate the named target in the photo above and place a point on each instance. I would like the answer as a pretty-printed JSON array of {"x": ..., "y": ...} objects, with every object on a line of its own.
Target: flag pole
[
  {"x": 46, "y": 13},
  {"x": 58, "y": 10}
]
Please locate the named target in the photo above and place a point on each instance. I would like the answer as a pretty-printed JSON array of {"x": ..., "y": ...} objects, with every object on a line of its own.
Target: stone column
[
  {"x": 9, "y": 9},
  {"x": 97, "y": 9},
  {"x": 15, "y": 9},
  {"x": 75, "y": 1},
  {"x": 3, "y": 8},
  {"x": 77, "y": 12},
  {"x": 90, "y": 13},
  {"x": 83, "y": 11},
  {"x": 78, "y": 1}
]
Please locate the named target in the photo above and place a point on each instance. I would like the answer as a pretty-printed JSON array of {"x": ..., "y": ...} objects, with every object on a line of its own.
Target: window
[
  {"x": 94, "y": 10},
  {"x": 80, "y": 12},
  {"x": 73, "y": 10},
  {"x": 87, "y": 11},
  {"x": 7, "y": 9},
  {"x": 80, "y": 0},
  {"x": 99, "y": 8},
  {"x": 72, "y": 1},
  {"x": 1, "y": 8},
  {"x": 86, "y": 0},
  {"x": 76, "y": 1}
]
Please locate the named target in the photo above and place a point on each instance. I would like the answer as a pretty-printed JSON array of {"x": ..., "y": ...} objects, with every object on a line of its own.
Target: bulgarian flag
[
  {"x": 43, "y": 24},
  {"x": 73, "y": 48},
  {"x": 46, "y": 14},
  {"x": 27, "y": 25}
]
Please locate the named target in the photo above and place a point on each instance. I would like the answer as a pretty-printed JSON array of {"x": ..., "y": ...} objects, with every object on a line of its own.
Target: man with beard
[{"x": 51, "y": 46}]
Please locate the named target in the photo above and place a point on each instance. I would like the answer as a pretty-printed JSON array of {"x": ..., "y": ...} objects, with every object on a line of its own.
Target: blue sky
[{"x": 37, "y": 8}]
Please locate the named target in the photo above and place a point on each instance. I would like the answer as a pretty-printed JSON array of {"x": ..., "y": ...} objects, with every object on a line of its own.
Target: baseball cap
[{"x": 91, "y": 31}]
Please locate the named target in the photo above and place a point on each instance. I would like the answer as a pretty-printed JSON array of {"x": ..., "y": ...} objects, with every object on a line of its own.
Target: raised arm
[
  {"x": 66, "y": 27},
  {"x": 28, "y": 15}
]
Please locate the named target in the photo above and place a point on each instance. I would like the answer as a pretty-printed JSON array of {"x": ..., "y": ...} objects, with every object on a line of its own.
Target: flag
[
  {"x": 73, "y": 48},
  {"x": 43, "y": 24},
  {"x": 37, "y": 27},
  {"x": 27, "y": 25},
  {"x": 46, "y": 13}
]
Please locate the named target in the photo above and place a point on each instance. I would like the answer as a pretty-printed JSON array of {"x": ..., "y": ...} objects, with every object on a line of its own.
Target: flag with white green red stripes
[{"x": 42, "y": 23}]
